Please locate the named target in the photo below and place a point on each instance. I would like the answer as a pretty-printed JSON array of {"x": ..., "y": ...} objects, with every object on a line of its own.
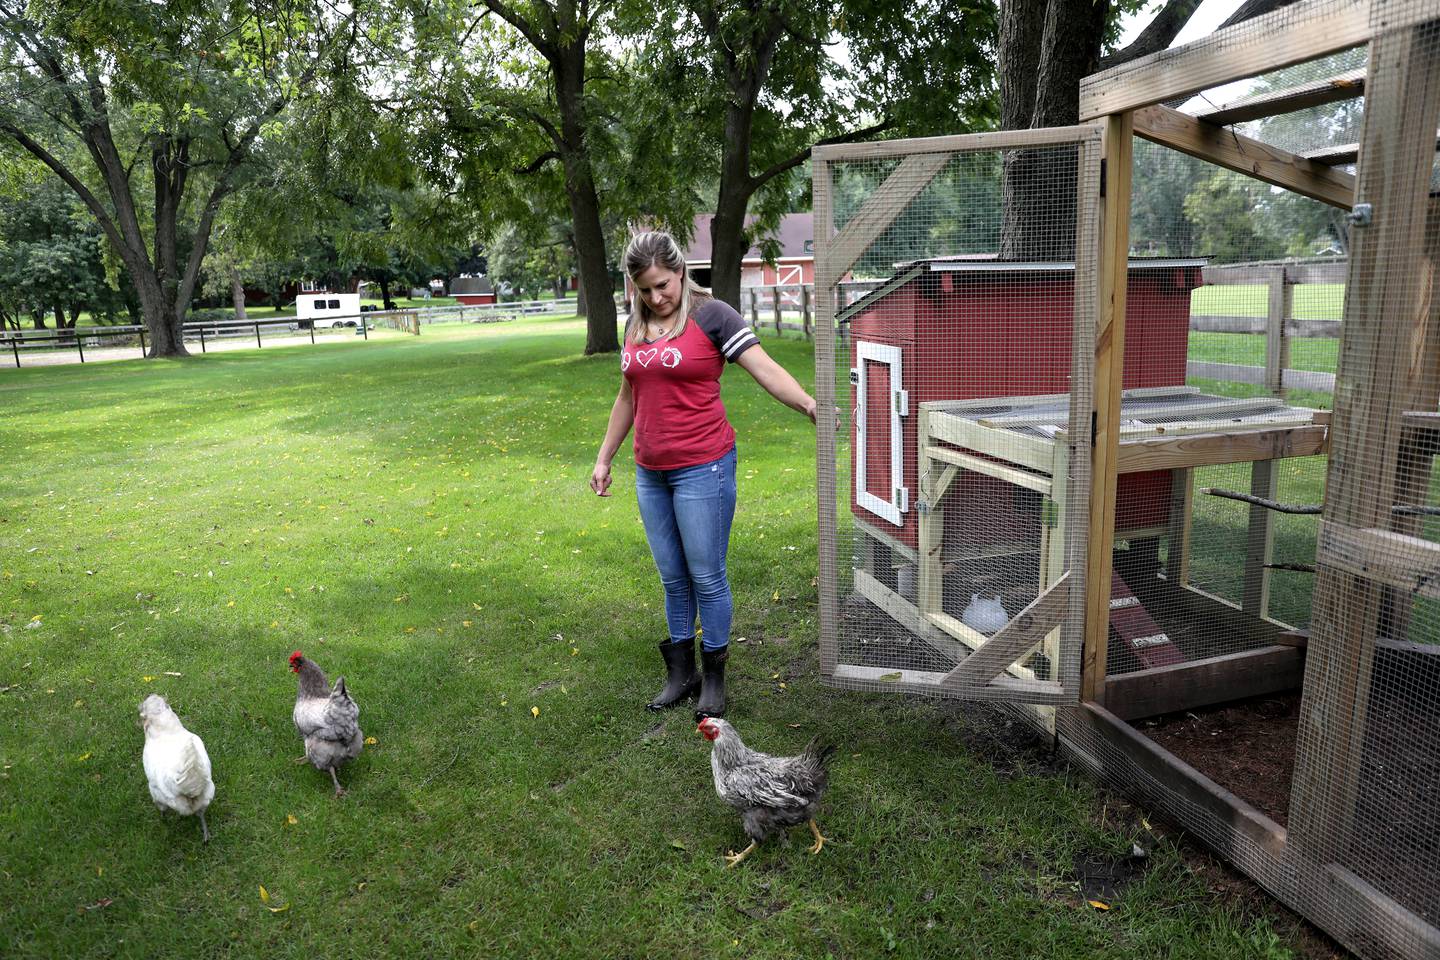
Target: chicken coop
[{"x": 1136, "y": 428}]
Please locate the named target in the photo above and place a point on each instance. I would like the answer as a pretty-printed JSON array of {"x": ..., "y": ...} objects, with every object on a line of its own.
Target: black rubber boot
[
  {"x": 712, "y": 683},
  {"x": 681, "y": 680}
]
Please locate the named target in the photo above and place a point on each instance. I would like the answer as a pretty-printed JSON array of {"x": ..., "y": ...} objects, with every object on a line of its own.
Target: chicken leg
[
  {"x": 819, "y": 840},
  {"x": 339, "y": 790},
  {"x": 204, "y": 830},
  {"x": 733, "y": 858}
]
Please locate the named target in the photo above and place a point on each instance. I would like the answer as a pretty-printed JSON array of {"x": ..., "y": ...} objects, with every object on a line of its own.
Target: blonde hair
[{"x": 653, "y": 249}]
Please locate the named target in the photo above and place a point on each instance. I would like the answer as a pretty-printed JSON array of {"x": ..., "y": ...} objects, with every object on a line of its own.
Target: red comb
[{"x": 295, "y": 656}]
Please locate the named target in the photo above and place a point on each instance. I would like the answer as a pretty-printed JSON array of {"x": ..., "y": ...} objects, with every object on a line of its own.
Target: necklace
[{"x": 656, "y": 330}]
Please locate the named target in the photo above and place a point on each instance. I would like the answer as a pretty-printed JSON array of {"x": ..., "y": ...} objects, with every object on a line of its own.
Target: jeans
[{"x": 687, "y": 514}]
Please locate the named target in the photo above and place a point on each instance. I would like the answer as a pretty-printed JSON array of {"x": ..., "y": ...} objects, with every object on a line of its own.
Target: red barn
[
  {"x": 972, "y": 328},
  {"x": 472, "y": 291}
]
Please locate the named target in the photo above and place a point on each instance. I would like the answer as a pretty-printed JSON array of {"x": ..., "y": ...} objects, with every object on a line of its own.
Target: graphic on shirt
[
  {"x": 645, "y": 356},
  {"x": 624, "y": 361},
  {"x": 670, "y": 357}
]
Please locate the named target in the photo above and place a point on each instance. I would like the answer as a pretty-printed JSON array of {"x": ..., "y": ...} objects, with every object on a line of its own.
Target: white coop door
[
  {"x": 956, "y": 300},
  {"x": 880, "y": 403}
]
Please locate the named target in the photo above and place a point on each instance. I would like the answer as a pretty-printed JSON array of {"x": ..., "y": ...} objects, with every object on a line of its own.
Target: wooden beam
[
  {"x": 1177, "y": 545},
  {"x": 1112, "y": 281},
  {"x": 927, "y": 682},
  {"x": 880, "y": 210},
  {"x": 1356, "y": 913},
  {"x": 1292, "y": 34},
  {"x": 1180, "y": 131},
  {"x": 1211, "y": 449},
  {"x": 1259, "y": 540},
  {"x": 1327, "y": 270},
  {"x": 1174, "y": 778},
  {"x": 900, "y": 610},
  {"x": 1198, "y": 683},
  {"x": 1387, "y": 306},
  {"x": 1316, "y": 93},
  {"x": 1013, "y": 641},
  {"x": 827, "y": 501},
  {"x": 1412, "y": 484},
  {"x": 958, "y": 143},
  {"x": 1411, "y": 564},
  {"x": 1013, "y": 475},
  {"x": 1341, "y": 154}
]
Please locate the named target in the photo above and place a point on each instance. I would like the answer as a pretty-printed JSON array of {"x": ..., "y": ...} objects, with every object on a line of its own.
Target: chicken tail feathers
[{"x": 820, "y": 754}]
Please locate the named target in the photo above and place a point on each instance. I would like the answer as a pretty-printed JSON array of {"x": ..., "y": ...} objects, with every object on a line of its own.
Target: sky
[{"x": 1210, "y": 15}]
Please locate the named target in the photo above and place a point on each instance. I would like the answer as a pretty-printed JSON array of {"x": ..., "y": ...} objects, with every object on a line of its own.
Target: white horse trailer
[{"x": 327, "y": 310}]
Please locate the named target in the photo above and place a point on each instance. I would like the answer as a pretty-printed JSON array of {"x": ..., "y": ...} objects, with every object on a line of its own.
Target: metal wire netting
[
  {"x": 1271, "y": 667},
  {"x": 955, "y": 366}
]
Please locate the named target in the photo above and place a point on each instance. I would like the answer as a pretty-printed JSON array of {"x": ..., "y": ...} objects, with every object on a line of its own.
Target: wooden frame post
[
  {"x": 1387, "y": 310},
  {"x": 1112, "y": 279},
  {"x": 827, "y": 422}
]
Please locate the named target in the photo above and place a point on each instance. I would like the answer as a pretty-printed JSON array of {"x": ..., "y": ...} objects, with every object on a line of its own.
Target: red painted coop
[{"x": 970, "y": 328}]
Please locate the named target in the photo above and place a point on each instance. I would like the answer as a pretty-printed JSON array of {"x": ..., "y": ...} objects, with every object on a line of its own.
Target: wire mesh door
[{"x": 956, "y": 301}]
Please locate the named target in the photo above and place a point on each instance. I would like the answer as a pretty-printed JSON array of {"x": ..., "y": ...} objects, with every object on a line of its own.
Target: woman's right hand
[{"x": 600, "y": 479}]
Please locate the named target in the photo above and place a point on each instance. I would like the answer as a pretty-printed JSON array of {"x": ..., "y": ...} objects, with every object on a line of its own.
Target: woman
[{"x": 677, "y": 341}]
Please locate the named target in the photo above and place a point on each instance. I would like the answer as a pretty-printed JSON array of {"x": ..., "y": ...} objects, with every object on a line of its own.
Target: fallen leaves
[
  {"x": 535, "y": 712},
  {"x": 1098, "y": 904},
  {"x": 265, "y": 899}
]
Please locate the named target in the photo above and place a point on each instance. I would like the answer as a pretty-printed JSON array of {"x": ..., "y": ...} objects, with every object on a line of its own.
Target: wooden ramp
[{"x": 1135, "y": 626}]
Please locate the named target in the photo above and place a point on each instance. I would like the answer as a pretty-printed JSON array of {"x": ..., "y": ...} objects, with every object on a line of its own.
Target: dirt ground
[{"x": 1248, "y": 747}]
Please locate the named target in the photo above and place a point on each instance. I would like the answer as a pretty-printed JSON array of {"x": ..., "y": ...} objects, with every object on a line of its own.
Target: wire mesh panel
[
  {"x": 955, "y": 336},
  {"x": 1301, "y": 543}
]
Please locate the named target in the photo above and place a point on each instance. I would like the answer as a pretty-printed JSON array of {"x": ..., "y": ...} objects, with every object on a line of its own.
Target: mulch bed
[{"x": 1247, "y": 747}]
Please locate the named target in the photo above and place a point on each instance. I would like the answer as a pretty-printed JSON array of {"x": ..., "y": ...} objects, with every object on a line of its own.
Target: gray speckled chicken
[
  {"x": 327, "y": 718},
  {"x": 771, "y": 793}
]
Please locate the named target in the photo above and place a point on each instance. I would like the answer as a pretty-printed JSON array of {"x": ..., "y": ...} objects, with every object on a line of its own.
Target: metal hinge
[
  {"x": 854, "y": 377},
  {"x": 902, "y": 402},
  {"x": 902, "y": 499}
]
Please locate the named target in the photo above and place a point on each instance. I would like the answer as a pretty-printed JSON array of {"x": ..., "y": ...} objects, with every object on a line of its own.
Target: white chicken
[{"x": 176, "y": 763}]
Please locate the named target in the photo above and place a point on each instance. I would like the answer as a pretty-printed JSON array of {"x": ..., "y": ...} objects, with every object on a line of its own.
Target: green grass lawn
[{"x": 413, "y": 513}]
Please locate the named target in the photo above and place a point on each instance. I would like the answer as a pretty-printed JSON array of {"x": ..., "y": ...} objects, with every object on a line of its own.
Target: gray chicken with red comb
[
  {"x": 327, "y": 718},
  {"x": 771, "y": 793}
]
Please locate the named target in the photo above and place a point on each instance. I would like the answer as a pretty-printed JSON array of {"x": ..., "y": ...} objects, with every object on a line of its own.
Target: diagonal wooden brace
[{"x": 1014, "y": 640}]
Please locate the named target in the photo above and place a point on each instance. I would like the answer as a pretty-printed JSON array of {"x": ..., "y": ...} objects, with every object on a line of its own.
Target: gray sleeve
[{"x": 726, "y": 329}]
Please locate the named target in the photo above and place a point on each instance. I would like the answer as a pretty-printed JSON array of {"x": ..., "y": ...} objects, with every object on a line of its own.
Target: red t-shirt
[{"x": 679, "y": 419}]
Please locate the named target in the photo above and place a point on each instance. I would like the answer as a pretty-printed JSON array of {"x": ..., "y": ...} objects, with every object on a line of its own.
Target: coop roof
[{"x": 989, "y": 263}]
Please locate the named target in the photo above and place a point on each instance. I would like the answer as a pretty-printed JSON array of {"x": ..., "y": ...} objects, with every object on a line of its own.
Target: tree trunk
[
  {"x": 59, "y": 311},
  {"x": 600, "y": 334},
  {"x": 237, "y": 293},
  {"x": 580, "y": 301},
  {"x": 385, "y": 300},
  {"x": 729, "y": 241},
  {"x": 1045, "y": 51}
]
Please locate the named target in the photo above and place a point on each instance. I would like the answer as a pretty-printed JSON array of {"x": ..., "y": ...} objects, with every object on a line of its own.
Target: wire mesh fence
[{"x": 1265, "y": 665}]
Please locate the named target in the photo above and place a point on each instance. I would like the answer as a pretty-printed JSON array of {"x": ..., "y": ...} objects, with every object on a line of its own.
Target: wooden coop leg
[
  {"x": 1387, "y": 310},
  {"x": 1260, "y": 539},
  {"x": 1177, "y": 549}
]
